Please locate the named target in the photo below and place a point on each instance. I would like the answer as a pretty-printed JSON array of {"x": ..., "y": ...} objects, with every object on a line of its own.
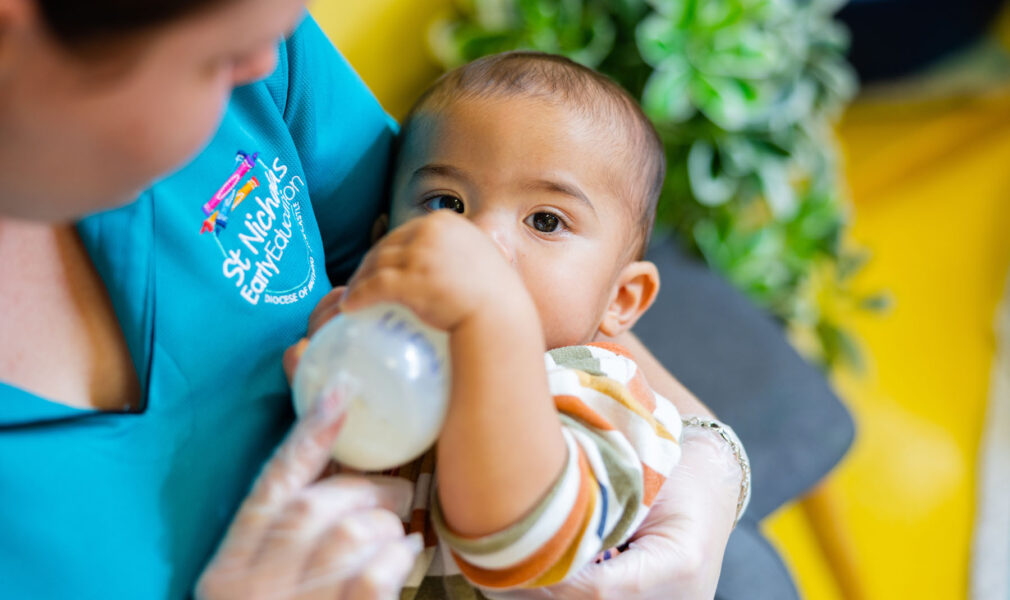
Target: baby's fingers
[
  {"x": 291, "y": 357},
  {"x": 327, "y": 308},
  {"x": 394, "y": 246},
  {"x": 387, "y": 284}
]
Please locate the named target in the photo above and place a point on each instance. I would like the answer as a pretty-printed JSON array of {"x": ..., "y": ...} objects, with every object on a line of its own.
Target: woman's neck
[{"x": 61, "y": 339}]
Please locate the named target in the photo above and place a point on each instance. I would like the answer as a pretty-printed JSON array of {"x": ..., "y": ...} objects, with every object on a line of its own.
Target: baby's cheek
[{"x": 568, "y": 309}]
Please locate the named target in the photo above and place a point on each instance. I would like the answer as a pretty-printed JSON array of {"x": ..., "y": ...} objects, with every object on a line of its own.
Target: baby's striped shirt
[{"x": 622, "y": 440}]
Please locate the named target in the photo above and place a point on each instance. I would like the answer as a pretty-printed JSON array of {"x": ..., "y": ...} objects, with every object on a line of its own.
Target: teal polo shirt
[{"x": 212, "y": 272}]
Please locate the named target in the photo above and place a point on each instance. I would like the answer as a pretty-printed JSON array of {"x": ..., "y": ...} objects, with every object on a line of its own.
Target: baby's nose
[
  {"x": 497, "y": 231},
  {"x": 504, "y": 247}
]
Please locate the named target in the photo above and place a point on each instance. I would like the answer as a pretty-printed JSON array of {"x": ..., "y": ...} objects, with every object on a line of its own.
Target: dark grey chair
[{"x": 736, "y": 359}]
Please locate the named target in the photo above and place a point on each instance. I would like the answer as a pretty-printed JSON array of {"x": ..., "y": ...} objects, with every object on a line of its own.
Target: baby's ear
[{"x": 633, "y": 294}]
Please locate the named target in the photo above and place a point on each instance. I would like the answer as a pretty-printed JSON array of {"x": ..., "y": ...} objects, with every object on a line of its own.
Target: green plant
[{"x": 743, "y": 93}]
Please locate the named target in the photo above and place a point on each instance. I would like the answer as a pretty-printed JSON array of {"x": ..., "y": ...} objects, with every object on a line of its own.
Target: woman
[{"x": 142, "y": 348}]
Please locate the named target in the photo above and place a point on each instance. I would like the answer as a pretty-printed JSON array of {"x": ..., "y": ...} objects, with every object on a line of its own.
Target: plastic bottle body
[{"x": 394, "y": 371}]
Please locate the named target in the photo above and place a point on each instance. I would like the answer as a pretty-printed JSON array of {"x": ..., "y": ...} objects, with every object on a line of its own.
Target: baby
[{"x": 523, "y": 197}]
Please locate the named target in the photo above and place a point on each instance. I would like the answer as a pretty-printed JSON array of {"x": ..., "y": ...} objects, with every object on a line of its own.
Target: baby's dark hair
[{"x": 558, "y": 79}]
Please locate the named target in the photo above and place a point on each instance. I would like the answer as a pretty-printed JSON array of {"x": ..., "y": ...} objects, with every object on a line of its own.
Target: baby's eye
[
  {"x": 545, "y": 222},
  {"x": 444, "y": 202}
]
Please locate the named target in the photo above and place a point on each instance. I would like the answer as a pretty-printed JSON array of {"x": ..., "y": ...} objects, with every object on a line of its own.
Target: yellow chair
[
  {"x": 386, "y": 42},
  {"x": 932, "y": 202}
]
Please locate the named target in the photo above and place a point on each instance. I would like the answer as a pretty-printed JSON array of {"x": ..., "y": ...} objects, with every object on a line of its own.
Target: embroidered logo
[
  {"x": 227, "y": 198},
  {"x": 267, "y": 255}
]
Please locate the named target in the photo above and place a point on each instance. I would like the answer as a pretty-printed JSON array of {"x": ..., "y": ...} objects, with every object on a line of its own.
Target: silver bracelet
[{"x": 727, "y": 434}]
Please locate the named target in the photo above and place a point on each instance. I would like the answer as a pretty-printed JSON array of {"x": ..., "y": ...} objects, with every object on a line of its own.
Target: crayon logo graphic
[{"x": 226, "y": 199}]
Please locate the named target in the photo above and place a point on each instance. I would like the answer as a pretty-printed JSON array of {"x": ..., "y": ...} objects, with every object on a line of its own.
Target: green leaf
[
  {"x": 603, "y": 33},
  {"x": 495, "y": 15},
  {"x": 666, "y": 97},
  {"x": 715, "y": 14},
  {"x": 777, "y": 191},
  {"x": 729, "y": 103},
  {"x": 658, "y": 39},
  {"x": 839, "y": 346},
  {"x": 709, "y": 188},
  {"x": 745, "y": 52},
  {"x": 674, "y": 10}
]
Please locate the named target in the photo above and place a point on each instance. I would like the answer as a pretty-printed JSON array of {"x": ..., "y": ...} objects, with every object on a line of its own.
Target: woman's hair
[{"x": 77, "y": 22}]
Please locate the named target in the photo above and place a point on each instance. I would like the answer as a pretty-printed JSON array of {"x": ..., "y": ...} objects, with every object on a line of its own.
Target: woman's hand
[
  {"x": 296, "y": 536},
  {"x": 677, "y": 552}
]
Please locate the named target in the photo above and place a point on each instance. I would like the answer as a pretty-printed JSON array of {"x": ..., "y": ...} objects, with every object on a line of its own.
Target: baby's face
[{"x": 548, "y": 187}]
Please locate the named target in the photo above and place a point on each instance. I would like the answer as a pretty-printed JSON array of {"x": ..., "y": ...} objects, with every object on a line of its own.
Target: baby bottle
[{"x": 393, "y": 370}]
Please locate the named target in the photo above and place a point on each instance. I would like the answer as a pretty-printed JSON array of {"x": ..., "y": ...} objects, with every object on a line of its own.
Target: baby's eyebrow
[
  {"x": 561, "y": 187},
  {"x": 439, "y": 170}
]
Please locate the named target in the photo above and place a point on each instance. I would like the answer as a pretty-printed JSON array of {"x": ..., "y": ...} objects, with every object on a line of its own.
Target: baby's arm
[
  {"x": 502, "y": 448},
  {"x": 622, "y": 442}
]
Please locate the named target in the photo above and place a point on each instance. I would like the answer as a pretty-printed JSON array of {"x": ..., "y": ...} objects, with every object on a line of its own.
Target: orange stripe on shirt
[
  {"x": 620, "y": 393},
  {"x": 640, "y": 390},
  {"x": 638, "y": 386},
  {"x": 653, "y": 480},
  {"x": 575, "y": 407},
  {"x": 564, "y": 564},
  {"x": 553, "y": 550},
  {"x": 615, "y": 348}
]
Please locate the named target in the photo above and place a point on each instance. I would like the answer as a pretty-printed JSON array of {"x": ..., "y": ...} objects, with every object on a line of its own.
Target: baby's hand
[{"x": 442, "y": 267}]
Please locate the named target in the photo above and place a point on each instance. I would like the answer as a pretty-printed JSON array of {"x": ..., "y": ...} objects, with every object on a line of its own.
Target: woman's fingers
[
  {"x": 345, "y": 494},
  {"x": 325, "y": 537},
  {"x": 338, "y": 550},
  {"x": 343, "y": 551},
  {"x": 385, "y": 574},
  {"x": 643, "y": 571},
  {"x": 677, "y": 552},
  {"x": 295, "y": 465},
  {"x": 328, "y": 535},
  {"x": 316, "y": 545}
]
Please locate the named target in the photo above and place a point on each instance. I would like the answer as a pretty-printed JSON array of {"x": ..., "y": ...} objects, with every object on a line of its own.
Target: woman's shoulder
[{"x": 313, "y": 76}]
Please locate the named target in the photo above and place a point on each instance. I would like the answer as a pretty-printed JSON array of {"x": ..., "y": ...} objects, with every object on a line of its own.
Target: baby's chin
[{"x": 564, "y": 339}]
